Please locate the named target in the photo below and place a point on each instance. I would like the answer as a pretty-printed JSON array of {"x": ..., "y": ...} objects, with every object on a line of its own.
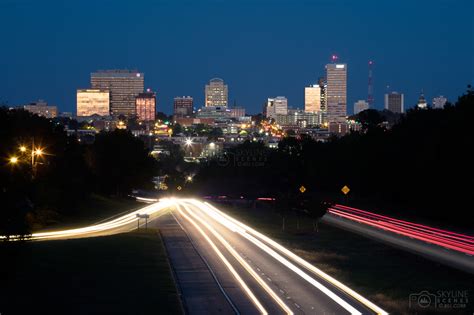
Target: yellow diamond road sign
[
  {"x": 345, "y": 190},
  {"x": 179, "y": 187},
  {"x": 302, "y": 189}
]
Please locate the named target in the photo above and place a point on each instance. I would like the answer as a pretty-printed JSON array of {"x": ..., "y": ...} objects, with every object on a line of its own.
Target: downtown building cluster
[{"x": 118, "y": 99}]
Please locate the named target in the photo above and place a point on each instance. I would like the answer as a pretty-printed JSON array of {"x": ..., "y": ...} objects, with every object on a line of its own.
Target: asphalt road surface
[{"x": 222, "y": 266}]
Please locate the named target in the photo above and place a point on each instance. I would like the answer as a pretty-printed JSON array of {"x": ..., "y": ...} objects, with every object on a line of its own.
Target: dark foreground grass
[
  {"x": 120, "y": 274},
  {"x": 384, "y": 274}
]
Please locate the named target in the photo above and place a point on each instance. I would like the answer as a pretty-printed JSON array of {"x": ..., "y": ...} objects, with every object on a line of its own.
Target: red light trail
[{"x": 448, "y": 239}]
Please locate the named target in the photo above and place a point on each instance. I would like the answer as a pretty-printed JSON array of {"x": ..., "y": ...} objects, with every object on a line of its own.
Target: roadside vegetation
[{"x": 120, "y": 274}]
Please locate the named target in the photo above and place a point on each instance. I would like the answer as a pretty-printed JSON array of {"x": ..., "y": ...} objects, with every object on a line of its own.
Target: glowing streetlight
[
  {"x": 189, "y": 179},
  {"x": 188, "y": 142},
  {"x": 23, "y": 148},
  {"x": 13, "y": 160},
  {"x": 38, "y": 152}
]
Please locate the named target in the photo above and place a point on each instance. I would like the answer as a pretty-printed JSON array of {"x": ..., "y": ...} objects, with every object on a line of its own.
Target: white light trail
[
  {"x": 155, "y": 208},
  {"x": 247, "y": 290},
  {"x": 244, "y": 264},
  {"x": 285, "y": 262},
  {"x": 302, "y": 262}
]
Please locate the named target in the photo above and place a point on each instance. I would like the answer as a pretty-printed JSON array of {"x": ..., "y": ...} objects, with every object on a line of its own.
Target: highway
[
  {"x": 446, "y": 247},
  {"x": 222, "y": 266}
]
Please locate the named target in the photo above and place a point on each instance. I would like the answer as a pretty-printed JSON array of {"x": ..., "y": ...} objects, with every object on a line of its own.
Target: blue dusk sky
[{"x": 261, "y": 48}]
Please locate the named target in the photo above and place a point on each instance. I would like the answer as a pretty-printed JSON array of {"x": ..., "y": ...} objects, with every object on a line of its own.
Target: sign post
[
  {"x": 345, "y": 190},
  {"x": 142, "y": 216}
]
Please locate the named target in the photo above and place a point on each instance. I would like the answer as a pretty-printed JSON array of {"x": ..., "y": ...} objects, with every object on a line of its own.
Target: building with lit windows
[
  {"x": 41, "y": 108},
  {"x": 276, "y": 106},
  {"x": 394, "y": 102},
  {"x": 298, "y": 118},
  {"x": 183, "y": 106},
  {"x": 145, "y": 106},
  {"x": 336, "y": 94},
  {"x": 360, "y": 106},
  {"x": 92, "y": 102},
  {"x": 123, "y": 85},
  {"x": 312, "y": 98},
  {"x": 216, "y": 93}
]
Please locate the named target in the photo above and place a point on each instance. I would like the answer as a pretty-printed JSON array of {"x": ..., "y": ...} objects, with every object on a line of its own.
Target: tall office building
[
  {"x": 41, "y": 108},
  {"x": 216, "y": 93},
  {"x": 336, "y": 96},
  {"x": 145, "y": 106},
  {"x": 439, "y": 101},
  {"x": 123, "y": 85},
  {"x": 360, "y": 106},
  {"x": 394, "y": 102},
  {"x": 312, "y": 99},
  {"x": 323, "y": 88},
  {"x": 183, "y": 106},
  {"x": 276, "y": 106},
  {"x": 92, "y": 102}
]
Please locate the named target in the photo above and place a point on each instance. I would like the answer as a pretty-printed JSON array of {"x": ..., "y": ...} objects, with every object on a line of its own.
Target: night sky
[{"x": 260, "y": 48}]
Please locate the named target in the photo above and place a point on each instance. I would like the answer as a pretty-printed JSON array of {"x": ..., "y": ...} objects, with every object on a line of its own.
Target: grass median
[
  {"x": 384, "y": 274},
  {"x": 120, "y": 274}
]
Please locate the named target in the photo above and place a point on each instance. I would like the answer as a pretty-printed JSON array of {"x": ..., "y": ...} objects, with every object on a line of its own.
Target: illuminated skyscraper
[
  {"x": 216, "y": 93},
  {"x": 394, "y": 102},
  {"x": 145, "y": 106},
  {"x": 124, "y": 87},
  {"x": 312, "y": 99},
  {"x": 183, "y": 106},
  {"x": 336, "y": 96},
  {"x": 92, "y": 102}
]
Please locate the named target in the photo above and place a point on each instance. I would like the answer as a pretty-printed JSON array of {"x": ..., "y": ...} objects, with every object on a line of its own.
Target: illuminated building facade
[
  {"x": 145, "y": 106},
  {"x": 336, "y": 94},
  {"x": 92, "y": 102},
  {"x": 123, "y": 85},
  {"x": 216, "y": 93},
  {"x": 312, "y": 99}
]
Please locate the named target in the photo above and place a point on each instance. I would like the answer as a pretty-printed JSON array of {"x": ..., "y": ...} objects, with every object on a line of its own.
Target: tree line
[
  {"x": 66, "y": 172},
  {"x": 421, "y": 167}
]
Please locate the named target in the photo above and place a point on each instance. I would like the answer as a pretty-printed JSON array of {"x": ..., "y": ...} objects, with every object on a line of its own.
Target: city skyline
[{"x": 252, "y": 73}]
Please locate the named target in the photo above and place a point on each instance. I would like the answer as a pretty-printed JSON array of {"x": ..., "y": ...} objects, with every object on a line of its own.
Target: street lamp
[
  {"x": 13, "y": 160},
  {"x": 38, "y": 151},
  {"x": 23, "y": 148},
  {"x": 188, "y": 142}
]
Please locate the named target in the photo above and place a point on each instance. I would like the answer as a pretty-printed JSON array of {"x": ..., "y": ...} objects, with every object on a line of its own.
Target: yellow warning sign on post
[
  {"x": 302, "y": 189},
  {"x": 179, "y": 188},
  {"x": 345, "y": 190}
]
